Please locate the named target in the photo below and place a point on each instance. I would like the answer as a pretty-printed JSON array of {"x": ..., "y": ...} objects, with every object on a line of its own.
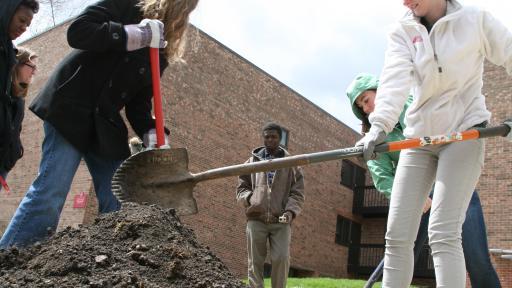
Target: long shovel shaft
[
  {"x": 267, "y": 165},
  {"x": 304, "y": 159},
  {"x": 157, "y": 96}
]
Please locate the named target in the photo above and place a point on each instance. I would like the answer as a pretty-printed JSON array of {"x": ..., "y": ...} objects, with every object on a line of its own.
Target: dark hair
[
  {"x": 31, "y": 4},
  {"x": 365, "y": 122},
  {"x": 273, "y": 126},
  {"x": 365, "y": 125}
]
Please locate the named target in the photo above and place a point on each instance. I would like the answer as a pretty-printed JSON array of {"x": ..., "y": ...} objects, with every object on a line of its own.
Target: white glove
[
  {"x": 508, "y": 122},
  {"x": 135, "y": 145},
  {"x": 373, "y": 138},
  {"x": 149, "y": 32},
  {"x": 286, "y": 218},
  {"x": 149, "y": 140}
]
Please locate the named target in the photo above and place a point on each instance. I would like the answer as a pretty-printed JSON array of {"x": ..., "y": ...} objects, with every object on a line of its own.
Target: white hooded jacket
[{"x": 442, "y": 69}]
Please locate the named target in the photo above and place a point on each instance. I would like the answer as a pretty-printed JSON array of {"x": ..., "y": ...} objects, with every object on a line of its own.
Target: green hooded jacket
[{"x": 382, "y": 169}]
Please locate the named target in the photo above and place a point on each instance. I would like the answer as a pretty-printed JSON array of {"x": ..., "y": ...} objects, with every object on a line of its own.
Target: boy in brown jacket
[{"x": 272, "y": 200}]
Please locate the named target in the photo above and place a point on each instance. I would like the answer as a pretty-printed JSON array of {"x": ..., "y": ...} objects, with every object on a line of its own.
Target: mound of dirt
[{"x": 139, "y": 246}]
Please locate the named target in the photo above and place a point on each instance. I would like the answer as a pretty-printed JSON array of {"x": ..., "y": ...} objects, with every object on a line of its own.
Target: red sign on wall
[{"x": 80, "y": 200}]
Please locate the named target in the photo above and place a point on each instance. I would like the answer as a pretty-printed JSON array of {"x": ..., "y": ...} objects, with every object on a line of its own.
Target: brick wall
[
  {"x": 496, "y": 181},
  {"x": 373, "y": 231}
]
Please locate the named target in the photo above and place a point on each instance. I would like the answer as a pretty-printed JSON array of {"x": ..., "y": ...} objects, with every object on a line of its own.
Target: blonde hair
[
  {"x": 174, "y": 14},
  {"x": 23, "y": 56}
]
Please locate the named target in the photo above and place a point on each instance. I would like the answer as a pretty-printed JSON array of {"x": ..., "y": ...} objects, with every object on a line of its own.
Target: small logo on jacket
[{"x": 416, "y": 39}]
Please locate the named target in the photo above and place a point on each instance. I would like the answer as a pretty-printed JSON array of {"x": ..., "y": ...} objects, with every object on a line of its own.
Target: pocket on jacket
[
  {"x": 257, "y": 201},
  {"x": 111, "y": 138}
]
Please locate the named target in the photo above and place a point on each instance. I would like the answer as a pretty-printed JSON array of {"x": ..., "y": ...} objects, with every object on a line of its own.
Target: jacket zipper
[
  {"x": 439, "y": 68},
  {"x": 268, "y": 198},
  {"x": 433, "y": 44}
]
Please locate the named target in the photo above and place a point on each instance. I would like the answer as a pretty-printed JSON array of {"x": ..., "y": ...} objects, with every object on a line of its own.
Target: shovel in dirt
[{"x": 172, "y": 184}]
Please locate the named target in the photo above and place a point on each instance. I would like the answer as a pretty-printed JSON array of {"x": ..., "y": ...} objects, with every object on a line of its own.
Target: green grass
[{"x": 324, "y": 283}]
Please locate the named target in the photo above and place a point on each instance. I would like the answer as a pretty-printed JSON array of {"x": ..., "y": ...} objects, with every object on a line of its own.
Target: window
[
  {"x": 348, "y": 232},
  {"x": 352, "y": 175},
  {"x": 343, "y": 231},
  {"x": 284, "y": 137}
]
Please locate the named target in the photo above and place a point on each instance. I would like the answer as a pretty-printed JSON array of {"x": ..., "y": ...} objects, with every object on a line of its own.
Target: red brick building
[{"x": 215, "y": 106}]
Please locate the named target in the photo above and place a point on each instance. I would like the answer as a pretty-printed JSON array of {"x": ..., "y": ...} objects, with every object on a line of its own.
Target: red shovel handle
[{"x": 157, "y": 96}]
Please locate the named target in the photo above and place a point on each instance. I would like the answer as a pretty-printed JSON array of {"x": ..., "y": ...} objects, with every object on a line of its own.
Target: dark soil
[{"x": 139, "y": 246}]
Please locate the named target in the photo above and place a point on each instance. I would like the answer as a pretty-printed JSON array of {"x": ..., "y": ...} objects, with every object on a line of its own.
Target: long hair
[
  {"x": 365, "y": 124},
  {"x": 174, "y": 14},
  {"x": 23, "y": 56}
]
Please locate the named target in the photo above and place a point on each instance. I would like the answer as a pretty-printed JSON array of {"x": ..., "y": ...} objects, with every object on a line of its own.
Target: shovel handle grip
[
  {"x": 476, "y": 133},
  {"x": 154, "y": 55}
]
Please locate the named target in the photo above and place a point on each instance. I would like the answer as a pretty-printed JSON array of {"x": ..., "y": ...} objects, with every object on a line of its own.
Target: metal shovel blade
[{"x": 134, "y": 180}]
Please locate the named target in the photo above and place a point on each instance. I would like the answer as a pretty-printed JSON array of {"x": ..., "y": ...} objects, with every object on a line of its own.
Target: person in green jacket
[{"x": 361, "y": 94}]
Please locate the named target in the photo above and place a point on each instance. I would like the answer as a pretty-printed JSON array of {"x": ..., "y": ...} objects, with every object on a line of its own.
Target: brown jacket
[{"x": 285, "y": 194}]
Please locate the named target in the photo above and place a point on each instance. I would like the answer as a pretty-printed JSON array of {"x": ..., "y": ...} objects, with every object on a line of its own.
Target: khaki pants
[
  {"x": 279, "y": 236},
  {"x": 454, "y": 169}
]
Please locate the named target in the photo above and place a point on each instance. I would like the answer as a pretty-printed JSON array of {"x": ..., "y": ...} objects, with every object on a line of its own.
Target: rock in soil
[{"x": 140, "y": 246}]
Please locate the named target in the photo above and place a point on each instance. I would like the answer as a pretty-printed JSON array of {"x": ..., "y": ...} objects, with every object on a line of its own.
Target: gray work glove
[
  {"x": 286, "y": 218},
  {"x": 150, "y": 142},
  {"x": 508, "y": 122},
  {"x": 371, "y": 139},
  {"x": 149, "y": 32}
]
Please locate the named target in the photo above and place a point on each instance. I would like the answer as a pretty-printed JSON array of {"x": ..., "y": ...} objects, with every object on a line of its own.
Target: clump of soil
[{"x": 140, "y": 246}]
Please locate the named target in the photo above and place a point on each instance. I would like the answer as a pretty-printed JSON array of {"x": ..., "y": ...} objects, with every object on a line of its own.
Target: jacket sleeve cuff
[
  {"x": 247, "y": 198},
  {"x": 117, "y": 35},
  {"x": 377, "y": 127},
  {"x": 243, "y": 200},
  {"x": 293, "y": 213}
]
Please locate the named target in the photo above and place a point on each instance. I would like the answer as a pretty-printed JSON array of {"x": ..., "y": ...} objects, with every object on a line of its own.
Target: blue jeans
[
  {"x": 474, "y": 243},
  {"x": 38, "y": 214}
]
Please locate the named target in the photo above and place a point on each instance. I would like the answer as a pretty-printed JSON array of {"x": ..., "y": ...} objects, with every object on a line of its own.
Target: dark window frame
[
  {"x": 352, "y": 175},
  {"x": 343, "y": 231}
]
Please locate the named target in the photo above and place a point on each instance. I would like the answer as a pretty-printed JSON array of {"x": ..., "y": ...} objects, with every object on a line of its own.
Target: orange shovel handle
[{"x": 472, "y": 134}]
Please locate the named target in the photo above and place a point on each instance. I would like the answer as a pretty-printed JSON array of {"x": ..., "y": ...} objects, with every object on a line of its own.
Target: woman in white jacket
[{"x": 437, "y": 51}]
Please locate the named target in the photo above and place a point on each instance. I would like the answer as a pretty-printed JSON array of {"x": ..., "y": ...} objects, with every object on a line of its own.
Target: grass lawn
[
  {"x": 325, "y": 283},
  {"x": 322, "y": 283}
]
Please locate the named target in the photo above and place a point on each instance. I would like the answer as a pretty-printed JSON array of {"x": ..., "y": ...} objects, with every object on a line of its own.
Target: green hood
[{"x": 361, "y": 83}]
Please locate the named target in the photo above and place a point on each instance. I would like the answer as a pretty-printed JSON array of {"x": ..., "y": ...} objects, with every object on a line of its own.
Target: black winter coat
[
  {"x": 83, "y": 97},
  {"x": 11, "y": 108}
]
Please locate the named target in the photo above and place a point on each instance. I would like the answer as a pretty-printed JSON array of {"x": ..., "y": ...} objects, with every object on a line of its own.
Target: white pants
[{"x": 454, "y": 168}]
